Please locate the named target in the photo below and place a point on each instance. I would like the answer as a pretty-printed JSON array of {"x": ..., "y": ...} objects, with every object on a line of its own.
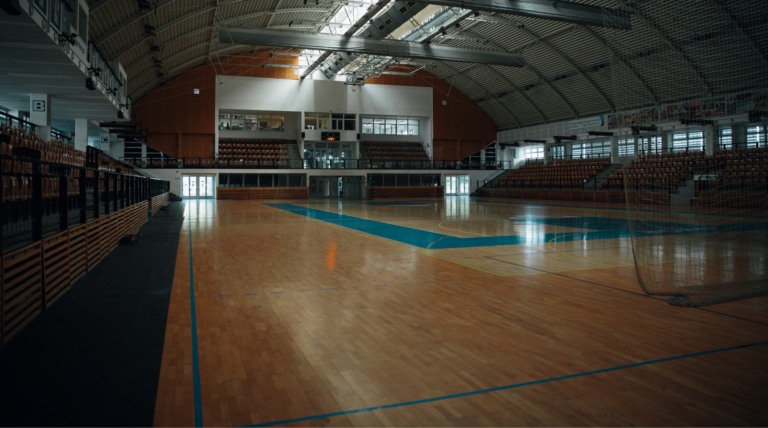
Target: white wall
[{"x": 325, "y": 96}]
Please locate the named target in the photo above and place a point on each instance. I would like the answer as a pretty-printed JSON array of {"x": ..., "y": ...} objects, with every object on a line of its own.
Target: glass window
[
  {"x": 726, "y": 138},
  {"x": 756, "y": 136},
  {"x": 378, "y": 126},
  {"x": 592, "y": 150},
  {"x": 402, "y": 126},
  {"x": 534, "y": 152},
  {"x": 350, "y": 122},
  {"x": 627, "y": 147},
  {"x": 310, "y": 121},
  {"x": 413, "y": 127},
  {"x": 688, "y": 141},
  {"x": 367, "y": 125},
  {"x": 391, "y": 127},
  {"x": 278, "y": 123},
  {"x": 265, "y": 123}
]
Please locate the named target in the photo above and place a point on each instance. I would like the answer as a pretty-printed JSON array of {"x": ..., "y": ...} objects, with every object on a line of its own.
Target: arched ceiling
[{"x": 571, "y": 70}]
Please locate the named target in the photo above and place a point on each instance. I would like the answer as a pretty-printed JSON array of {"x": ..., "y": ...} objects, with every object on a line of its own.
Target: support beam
[
  {"x": 509, "y": 112},
  {"x": 723, "y": 12},
  {"x": 555, "y": 51},
  {"x": 143, "y": 39},
  {"x": 367, "y": 46},
  {"x": 555, "y": 10},
  {"x": 171, "y": 74},
  {"x": 128, "y": 21},
  {"x": 655, "y": 28},
  {"x": 517, "y": 89},
  {"x": 616, "y": 57}
]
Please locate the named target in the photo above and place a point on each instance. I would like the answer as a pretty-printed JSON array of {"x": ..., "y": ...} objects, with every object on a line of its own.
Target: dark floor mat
[{"x": 93, "y": 358}]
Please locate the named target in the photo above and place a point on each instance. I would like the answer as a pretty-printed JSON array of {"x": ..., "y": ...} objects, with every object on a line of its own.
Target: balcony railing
[{"x": 197, "y": 163}]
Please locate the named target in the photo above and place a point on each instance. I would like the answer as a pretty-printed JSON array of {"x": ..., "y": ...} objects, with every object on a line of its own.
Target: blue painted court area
[{"x": 592, "y": 228}]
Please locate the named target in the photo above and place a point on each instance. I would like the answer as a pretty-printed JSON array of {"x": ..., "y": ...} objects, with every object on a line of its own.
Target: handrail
[{"x": 250, "y": 163}]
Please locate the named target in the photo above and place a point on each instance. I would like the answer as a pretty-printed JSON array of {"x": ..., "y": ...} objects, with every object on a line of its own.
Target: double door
[
  {"x": 198, "y": 187},
  {"x": 457, "y": 185}
]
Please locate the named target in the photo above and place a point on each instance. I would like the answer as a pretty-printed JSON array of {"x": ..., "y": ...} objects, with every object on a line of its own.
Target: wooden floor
[{"x": 310, "y": 322}]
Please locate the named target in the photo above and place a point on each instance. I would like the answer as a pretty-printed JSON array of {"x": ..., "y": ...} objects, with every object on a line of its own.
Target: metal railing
[
  {"x": 44, "y": 198},
  {"x": 195, "y": 163}
]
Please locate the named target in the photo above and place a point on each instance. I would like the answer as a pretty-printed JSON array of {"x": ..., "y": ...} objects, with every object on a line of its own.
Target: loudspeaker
[
  {"x": 358, "y": 136},
  {"x": 120, "y": 114},
  {"x": 302, "y": 135},
  {"x": 89, "y": 84}
]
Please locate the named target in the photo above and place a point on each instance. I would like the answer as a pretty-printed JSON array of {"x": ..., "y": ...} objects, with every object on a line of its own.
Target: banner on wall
[
  {"x": 714, "y": 107},
  {"x": 588, "y": 122}
]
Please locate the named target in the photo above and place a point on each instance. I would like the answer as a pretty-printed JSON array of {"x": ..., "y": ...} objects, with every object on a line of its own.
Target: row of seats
[
  {"x": 562, "y": 172},
  {"x": 382, "y": 151},
  {"x": 256, "y": 156}
]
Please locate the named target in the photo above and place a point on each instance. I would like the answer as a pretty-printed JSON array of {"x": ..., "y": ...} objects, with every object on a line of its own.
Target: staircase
[
  {"x": 490, "y": 183},
  {"x": 596, "y": 182},
  {"x": 294, "y": 157}
]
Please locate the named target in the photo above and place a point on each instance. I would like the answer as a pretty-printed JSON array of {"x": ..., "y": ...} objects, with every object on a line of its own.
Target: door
[
  {"x": 457, "y": 185},
  {"x": 198, "y": 187}
]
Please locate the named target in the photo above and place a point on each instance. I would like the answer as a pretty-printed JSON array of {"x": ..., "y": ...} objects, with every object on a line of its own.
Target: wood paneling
[{"x": 183, "y": 124}]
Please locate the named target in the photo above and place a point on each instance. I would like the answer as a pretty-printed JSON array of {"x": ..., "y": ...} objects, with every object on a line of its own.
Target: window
[
  {"x": 534, "y": 152},
  {"x": 317, "y": 121},
  {"x": 390, "y": 126},
  {"x": 726, "y": 138},
  {"x": 592, "y": 150},
  {"x": 651, "y": 145},
  {"x": 688, "y": 141},
  {"x": 627, "y": 147},
  {"x": 344, "y": 122},
  {"x": 558, "y": 152},
  {"x": 251, "y": 122},
  {"x": 756, "y": 136}
]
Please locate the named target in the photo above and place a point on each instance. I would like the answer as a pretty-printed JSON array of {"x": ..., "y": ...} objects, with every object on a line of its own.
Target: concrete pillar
[
  {"x": 568, "y": 151},
  {"x": 710, "y": 142},
  {"x": 104, "y": 142},
  {"x": 615, "y": 150},
  {"x": 739, "y": 136},
  {"x": 40, "y": 114},
  {"x": 81, "y": 134}
]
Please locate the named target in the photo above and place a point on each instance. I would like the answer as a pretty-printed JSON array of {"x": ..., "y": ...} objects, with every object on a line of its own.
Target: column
[
  {"x": 104, "y": 142},
  {"x": 739, "y": 136},
  {"x": 40, "y": 114},
  {"x": 615, "y": 150},
  {"x": 710, "y": 142},
  {"x": 81, "y": 134}
]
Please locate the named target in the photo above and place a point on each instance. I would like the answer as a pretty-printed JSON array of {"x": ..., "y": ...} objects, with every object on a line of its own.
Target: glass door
[
  {"x": 197, "y": 187},
  {"x": 450, "y": 185},
  {"x": 464, "y": 185}
]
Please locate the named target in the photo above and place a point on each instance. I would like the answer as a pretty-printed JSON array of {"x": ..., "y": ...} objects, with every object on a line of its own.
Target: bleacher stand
[
  {"x": 253, "y": 151},
  {"x": 382, "y": 152},
  {"x": 558, "y": 173}
]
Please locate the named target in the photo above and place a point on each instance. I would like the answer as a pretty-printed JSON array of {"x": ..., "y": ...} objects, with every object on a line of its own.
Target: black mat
[{"x": 93, "y": 358}]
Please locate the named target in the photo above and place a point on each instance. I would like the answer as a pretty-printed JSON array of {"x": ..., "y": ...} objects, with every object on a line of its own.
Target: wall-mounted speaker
[
  {"x": 302, "y": 135},
  {"x": 358, "y": 136},
  {"x": 89, "y": 84}
]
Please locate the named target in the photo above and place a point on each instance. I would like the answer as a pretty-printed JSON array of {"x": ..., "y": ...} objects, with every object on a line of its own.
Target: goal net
[{"x": 690, "y": 82}]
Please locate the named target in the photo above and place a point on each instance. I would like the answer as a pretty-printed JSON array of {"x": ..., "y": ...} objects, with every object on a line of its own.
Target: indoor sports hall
[{"x": 384, "y": 213}]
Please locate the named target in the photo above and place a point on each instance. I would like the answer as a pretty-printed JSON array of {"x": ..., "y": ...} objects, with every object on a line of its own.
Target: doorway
[
  {"x": 456, "y": 185},
  {"x": 198, "y": 187},
  {"x": 331, "y": 187}
]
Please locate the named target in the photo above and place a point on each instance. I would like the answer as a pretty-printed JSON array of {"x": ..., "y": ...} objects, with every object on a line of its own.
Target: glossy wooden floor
[{"x": 299, "y": 318}]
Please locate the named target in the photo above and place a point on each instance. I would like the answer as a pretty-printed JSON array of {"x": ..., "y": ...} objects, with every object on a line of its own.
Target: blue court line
[
  {"x": 426, "y": 282},
  {"x": 329, "y": 289},
  {"x": 598, "y": 228},
  {"x": 382, "y": 285},
  {"x": 506, "y": 387},
  {"x": 405, "y": 283},
  {"x": 250, "y": 294},
  {"x": 584, "y": 207},
  {"x": 195, "y": 357}
]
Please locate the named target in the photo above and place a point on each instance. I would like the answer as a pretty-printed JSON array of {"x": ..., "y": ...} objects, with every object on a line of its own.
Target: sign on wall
[{"x": 589, "y": 122}]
